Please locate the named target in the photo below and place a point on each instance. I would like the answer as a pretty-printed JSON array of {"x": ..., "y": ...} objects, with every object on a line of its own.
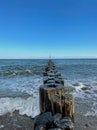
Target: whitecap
[{"x": 28, "y": 71}]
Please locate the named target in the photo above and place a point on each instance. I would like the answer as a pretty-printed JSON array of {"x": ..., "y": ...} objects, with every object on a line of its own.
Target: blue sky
[{"x": 39, "y": 28}]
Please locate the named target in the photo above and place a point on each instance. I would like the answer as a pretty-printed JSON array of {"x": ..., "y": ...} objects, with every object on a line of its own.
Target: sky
[{"x": 40, "y": 28}]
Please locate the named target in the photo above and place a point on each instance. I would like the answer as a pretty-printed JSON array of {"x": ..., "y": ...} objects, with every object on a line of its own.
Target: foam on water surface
[
  {"x": 29, "y": 85},
  {"x": 29, "y": 106},
  {"x": 20, "y": 94},
  {"x": 87, "y": 94}
]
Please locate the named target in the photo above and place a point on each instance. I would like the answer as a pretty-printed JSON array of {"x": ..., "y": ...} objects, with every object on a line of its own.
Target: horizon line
[{"x": 49, "y": 58}]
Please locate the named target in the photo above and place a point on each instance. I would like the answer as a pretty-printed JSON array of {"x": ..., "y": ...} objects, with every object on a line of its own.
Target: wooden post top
[{"x": 52, "y": 86}]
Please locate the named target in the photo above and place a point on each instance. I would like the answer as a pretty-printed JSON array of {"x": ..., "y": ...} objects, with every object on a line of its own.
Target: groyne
[{"x": 56, "y": 105}]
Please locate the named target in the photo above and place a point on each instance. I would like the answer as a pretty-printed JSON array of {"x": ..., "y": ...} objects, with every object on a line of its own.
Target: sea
[{"x": 20, "y": 80}]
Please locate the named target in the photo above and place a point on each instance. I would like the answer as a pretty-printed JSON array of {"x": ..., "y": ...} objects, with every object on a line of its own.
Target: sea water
[{"x": 20, "y": 81}]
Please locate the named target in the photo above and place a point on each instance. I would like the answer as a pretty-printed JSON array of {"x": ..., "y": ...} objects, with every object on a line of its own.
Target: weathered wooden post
[
  {"x": 69, "y": 105},
  {"x": 46, "y": 92},
  {"x": 63, "y": 105}
]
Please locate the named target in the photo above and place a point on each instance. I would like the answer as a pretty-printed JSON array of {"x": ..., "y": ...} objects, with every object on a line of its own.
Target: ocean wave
[
  {"x": 26, "y": 72},
  {"x": 82, "y": 87},
  {"x": 15, "y": 73},
  {"x": 29, "y": 106},
  {"x": 85, "y": 92},
  {"x": 19, "y": 86},
  {"x": 20, "y": 94}
]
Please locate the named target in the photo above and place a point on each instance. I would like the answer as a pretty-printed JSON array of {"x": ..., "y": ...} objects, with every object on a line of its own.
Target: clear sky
[{"x": 39, "y": 28}]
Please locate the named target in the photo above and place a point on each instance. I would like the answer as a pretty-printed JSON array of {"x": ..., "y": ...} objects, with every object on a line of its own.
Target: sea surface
[{"x": 20, "y": 81}]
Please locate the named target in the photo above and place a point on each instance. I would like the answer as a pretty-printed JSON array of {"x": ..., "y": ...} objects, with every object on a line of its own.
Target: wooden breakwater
[{"x": 56, "y": 106}]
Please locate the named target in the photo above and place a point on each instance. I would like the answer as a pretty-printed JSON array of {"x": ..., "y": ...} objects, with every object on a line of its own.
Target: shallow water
[{"x": 20, "y": 81}]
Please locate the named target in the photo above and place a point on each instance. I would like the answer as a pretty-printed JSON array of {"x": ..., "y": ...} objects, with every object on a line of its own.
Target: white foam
[
  {"x": 93, "y": 112},
  {"x": 28, "y": 71},
  {"x": 29, "y": 85},
  {"x": 29, "y": 106}
]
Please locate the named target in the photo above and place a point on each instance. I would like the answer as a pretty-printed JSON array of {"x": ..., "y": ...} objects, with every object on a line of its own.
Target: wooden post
[
  {"x": 45, "y": 92},
  {"x": 56, "y": 104},
  {"x": 63, "y": 105},
  {"x": 69, "y": 106}
]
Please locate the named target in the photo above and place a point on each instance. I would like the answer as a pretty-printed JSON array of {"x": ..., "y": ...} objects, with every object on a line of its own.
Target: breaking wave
[{"x": 29, "y": 106}]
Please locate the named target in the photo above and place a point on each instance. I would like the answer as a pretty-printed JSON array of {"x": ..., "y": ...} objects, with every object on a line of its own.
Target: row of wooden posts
[{"x": 53, "y": 97}]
